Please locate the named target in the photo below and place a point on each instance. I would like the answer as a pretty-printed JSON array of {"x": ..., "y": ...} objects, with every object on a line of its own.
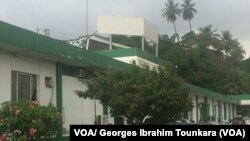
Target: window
[
  {"x": 23, "y": 86},
  {"x": 48, "y": 82}
]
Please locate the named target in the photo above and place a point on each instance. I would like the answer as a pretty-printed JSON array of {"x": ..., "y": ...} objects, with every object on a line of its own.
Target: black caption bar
[{"x": 239, "y": 132}]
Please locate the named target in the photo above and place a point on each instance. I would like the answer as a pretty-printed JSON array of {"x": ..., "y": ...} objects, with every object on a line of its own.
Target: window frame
[{"x": 15, "y": 93}]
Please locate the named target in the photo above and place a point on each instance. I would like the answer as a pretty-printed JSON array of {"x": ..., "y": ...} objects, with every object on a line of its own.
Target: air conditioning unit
[
  {"x": 105, "y": 119},
  {"x": 102, "y": 120}
]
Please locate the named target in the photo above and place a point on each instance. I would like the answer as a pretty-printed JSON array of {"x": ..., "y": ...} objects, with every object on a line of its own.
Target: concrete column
[
  {"x": 197, "y": 107},
  {"x": 156, "y": 50},
  {"x": 225, "y": 111},
  {"x": 110, "y": 42},
  {"x": 142, "y": 43},
  {"x": 205, "y": 109},
  {"x": 87, "y": 45}
]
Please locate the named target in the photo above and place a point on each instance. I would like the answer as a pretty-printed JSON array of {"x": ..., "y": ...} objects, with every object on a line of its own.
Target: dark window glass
[
  {"x": 33, "y": 88},
  {"x": 13, "y": 86},
  {"x": 23, "y": 86}
]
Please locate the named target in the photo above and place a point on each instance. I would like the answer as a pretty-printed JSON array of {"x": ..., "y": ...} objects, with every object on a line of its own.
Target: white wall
[
  {"x": 229, "y": 106},
  {"x": 235, "y": 110},
  {"x": 20, "y": 63},
  {"x": 138, "y": 60},
  {"x": 5, "y": 78},
  {"x": 127, "y": 26},
  {"x": 128, "y": 59},
  {"x": 192, "y": 114},
  {"x": 231, "y": 111},
  {"x": 244, "y": 102},
  {"x": 78, "y": 110},
  {"x": 194, "y": 108}
]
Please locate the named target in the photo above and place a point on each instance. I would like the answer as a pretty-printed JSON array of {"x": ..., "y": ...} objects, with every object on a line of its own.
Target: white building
[
  {"x": 38, "y": 67},
  {"x": 94, "y": 42},
  {"x": 208, "y": 105},
  {"x": 34, "y": 66},
  {"x": 79, "y": 42},
  {"x": 111, "y": 25}
]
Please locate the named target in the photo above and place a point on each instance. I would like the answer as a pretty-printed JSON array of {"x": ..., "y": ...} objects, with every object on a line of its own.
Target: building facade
[{"x": 38, "y": 67}]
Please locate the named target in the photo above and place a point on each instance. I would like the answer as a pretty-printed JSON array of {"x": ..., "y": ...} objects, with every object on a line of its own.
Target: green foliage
[
  {"x": 207, "y": 37},
  {"x": 231, "y": 47},
  {"x": 171, "y": 11},
  {"x": 189, "y": 40},
  {"x": 208, "y": 59},
  {"x": 137, "y": 93},
  {"x": 199, "y": 69},
  {"x": 188, "y": 11},
  {"x": 237, "y": 81},
  {"x": 245, "y": 65},
  {"x": 134, "y": 42},
  {"x": 131, "y": 41},
  {"x": 25, "y": 120}
]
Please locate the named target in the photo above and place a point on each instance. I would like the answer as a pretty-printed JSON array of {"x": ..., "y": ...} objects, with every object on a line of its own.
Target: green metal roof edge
[
  {"x": 25, "y": 39},
  {"x": 131, "y": 52},
  {"x": 118, "y": 52},
  {"x": 241, "y": 96},
  {"x": 205, "y": 92}
]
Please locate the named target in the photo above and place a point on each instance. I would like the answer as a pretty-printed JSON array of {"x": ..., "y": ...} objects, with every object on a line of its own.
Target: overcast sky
[{"x": 66, "y": 19}]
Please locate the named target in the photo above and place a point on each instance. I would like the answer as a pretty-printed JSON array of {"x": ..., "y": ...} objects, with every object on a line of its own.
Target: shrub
[{"x": 25, "y": 120}]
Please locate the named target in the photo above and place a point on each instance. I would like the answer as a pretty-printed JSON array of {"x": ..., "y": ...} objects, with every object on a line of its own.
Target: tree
[
  {"x": 200, "y": 69},
  {"x": 189, "y": 40},
  {"x": 171, "y": 11},
  {"x": 137, "y": 93},
  {"x": 231, "y": 47},
  {"x": 207, "y": 69},
  {"x": 208, "y": 37},
  {"x": 237, "y": 54},
  {"x": 25, "y": 121},
  {"x": 227, "y": 41},
  {"x": 188, "y": 11},
  {"x": 245, "y": 64},
  {"x": 237, "y": 81},
  {"x": 131, "y": 41}
]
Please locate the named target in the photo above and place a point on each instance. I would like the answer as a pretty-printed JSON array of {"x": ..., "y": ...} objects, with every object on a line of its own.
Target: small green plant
[{"x": 26, "y": 120}]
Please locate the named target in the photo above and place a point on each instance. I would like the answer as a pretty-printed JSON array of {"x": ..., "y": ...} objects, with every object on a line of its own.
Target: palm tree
[
  {"x": 188, "y": 11},
  {"x": 228, "y": 42},
  {"x": 231, "y": 46},
  {"x": 171, "y": 11},
  {"x": 207, "y": 37},
  {"x": 237, "y": 53},
  {"x": 237, "y": 81}
]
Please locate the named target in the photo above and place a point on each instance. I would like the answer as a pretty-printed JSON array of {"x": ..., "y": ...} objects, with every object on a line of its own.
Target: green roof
[
  {"x": 207, "y": 93},
  {"x": 131, "y": 52},
  {"x": 19, "y": 40},
  {"x": 241, "y": 96}
]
